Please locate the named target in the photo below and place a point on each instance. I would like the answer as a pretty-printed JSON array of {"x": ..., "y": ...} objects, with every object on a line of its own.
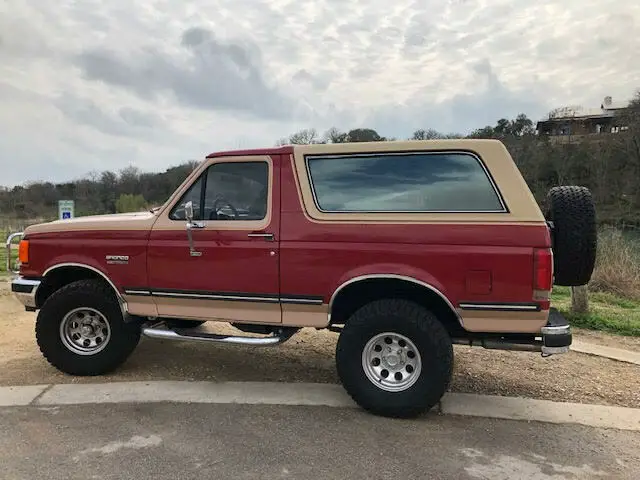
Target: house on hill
[{"x": 574, "y": 122}]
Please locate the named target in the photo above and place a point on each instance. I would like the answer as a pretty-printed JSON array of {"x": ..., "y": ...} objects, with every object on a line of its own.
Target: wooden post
[{"x": 579, "y": 299}]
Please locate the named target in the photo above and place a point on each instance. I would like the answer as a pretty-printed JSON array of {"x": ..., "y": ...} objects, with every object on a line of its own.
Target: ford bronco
[{"x": 403, "y": 248}]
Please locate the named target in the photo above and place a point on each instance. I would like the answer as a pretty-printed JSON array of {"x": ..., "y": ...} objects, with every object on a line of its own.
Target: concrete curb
[
  {"x": 513, "y": 408},
  {"x": 619, "y": 354},
  {"x": 247, "y": 393},
  {"x": 19, "y": 396},
  {"x": 312, "y": 394}
]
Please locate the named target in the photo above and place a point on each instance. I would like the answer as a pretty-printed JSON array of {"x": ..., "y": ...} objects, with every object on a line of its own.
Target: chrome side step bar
[{"x": 283, "y": 334}]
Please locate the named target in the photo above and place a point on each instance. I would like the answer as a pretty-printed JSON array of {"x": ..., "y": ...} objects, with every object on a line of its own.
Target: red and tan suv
[{"x": 404, "y": 248}]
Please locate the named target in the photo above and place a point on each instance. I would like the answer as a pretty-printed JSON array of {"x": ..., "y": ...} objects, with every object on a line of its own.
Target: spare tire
[{"x": 574, "y": 234}]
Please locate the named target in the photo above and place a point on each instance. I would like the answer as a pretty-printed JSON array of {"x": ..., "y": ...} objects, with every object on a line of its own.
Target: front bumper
[
  {"x": 25, "y": 291},
  {"x": 556, "y": 334}
]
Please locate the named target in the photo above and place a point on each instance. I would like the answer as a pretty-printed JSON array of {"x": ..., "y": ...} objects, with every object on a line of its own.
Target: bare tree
[
  {"x": 428, "y": 134},
  {"x": 306, "y": 136},
  {"x": 333, "y": 135}
]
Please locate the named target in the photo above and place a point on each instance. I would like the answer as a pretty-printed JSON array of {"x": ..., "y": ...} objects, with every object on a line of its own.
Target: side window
[
  {"x": 192, "y": 195},
  {"x": 237, "y": 191},
  {"x": 422, "y": 182}
]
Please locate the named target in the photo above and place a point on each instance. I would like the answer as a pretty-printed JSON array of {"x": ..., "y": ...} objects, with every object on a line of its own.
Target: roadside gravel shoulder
[{"x": 607, "y": 340}]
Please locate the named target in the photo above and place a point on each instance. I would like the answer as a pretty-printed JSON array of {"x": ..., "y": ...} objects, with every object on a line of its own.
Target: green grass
[
  {"x": 608, "y": 312},
  {"x": 3, "y": 258},
  {"x": 614, "y": 290}
]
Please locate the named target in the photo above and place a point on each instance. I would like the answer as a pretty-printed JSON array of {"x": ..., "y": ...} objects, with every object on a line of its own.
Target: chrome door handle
[
  {"x": 190, "y": 226},
  {"x": 266, "y": 236}
]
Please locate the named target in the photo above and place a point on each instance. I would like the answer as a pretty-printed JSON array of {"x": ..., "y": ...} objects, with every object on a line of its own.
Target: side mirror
[{"x": 188, "y": 211}]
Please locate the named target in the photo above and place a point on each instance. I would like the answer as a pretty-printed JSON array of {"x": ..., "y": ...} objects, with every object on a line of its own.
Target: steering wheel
[{"x": 226, "y": 202}]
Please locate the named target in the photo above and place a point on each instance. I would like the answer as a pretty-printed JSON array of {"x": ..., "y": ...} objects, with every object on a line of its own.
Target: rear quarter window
[{"x": 400, "y": 182}]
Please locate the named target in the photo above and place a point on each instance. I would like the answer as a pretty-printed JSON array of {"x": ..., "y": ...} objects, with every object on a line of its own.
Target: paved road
[{"x": 185, "y": 441}]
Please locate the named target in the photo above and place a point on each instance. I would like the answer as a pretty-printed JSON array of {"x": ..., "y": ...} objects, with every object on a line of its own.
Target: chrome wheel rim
[
  {"x": 391, "y": 362},
  {"x": 85, "y": 331}
]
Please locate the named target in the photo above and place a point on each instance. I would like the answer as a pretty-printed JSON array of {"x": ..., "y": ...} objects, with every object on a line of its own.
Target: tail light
[
  {"x": 542, "y": 269},
  {"x": 23, "y": 252}
]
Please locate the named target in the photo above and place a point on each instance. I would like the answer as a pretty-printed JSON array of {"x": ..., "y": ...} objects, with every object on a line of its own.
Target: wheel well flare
[
  {"x": 59, "y": 276},
  {"x": 356, "y": 293}
]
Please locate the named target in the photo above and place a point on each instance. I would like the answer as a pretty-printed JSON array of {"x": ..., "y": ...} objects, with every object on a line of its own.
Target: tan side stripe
[
  {"x": 512, "y": 307},
  {"x": 226, "y": 297}
]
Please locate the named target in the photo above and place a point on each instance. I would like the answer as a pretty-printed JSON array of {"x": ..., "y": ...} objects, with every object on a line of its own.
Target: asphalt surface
[{"x": 185, "y": 441}]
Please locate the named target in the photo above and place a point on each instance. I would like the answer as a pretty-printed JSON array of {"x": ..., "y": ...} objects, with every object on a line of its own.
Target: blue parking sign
[{"x": 65, "y": 209}]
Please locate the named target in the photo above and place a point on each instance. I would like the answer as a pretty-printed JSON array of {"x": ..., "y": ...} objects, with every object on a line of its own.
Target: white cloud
[{"x": 101, "y": 85}]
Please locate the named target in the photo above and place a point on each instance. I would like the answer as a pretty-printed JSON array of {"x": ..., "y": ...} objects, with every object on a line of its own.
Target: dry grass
[
  {"x": 614, "y": 290},
  {"x": 618, "y": 265}
]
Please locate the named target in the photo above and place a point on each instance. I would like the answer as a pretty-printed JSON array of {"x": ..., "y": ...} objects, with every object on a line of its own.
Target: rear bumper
[
  {"x": 553, "y": 338},
  {"x": 25, "y": 291},
  {"x": 556, "y": 334}
]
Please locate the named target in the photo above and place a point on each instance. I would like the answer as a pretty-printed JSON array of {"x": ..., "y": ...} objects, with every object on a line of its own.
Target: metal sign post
[{"x": 65, "y": 209}]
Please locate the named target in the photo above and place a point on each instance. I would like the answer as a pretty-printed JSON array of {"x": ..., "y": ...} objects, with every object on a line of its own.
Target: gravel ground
[
  {"x": 616, "y": 341},
  {"x": 309, "y": 357}
]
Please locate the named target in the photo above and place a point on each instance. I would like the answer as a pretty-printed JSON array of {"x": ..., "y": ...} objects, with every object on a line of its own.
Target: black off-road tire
[
  {"x": 422, "y": 328},
  {"x": 93, "y": 294},
  {"x": 575, "y": 236}
]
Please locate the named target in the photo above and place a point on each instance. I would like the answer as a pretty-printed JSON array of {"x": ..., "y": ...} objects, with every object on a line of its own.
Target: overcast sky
[{"x": 94, "y": 85}]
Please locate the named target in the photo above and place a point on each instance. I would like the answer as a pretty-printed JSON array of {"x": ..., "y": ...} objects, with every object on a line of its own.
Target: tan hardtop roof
[
  {"x": 350, "y": 147},
  {"x": 252, "y": 151},
  {"x": 519, "y": 201},
  {"x": 396, "y": 145}
]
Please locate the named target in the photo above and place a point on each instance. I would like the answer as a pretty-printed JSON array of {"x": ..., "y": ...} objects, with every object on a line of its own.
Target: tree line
[
  {"x": 609, "y": 164},
  {"x": 105, "y": 192}
]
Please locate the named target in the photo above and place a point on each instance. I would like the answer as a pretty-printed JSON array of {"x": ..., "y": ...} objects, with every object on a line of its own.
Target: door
[{"x": 230, "y": 270}]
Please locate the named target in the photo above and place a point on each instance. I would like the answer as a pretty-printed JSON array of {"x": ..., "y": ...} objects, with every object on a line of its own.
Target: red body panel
[
  {"x": 447, "y": 266},
  {"x": 230, "y": 261},
  {"x": 457, "y": 259},
  {"x": 90, "y": 248}
]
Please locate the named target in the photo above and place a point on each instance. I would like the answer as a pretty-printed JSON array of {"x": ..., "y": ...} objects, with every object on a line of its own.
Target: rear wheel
[
  {"x": 394, "y": 358},
  {"x": 575, "y": 238},
  {"x": 80, "y": 329}
]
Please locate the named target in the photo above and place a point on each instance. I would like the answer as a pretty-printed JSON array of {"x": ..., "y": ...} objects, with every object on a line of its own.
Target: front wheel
[
  {"x": 394, "y": 358},
  {"x": 80, "y": 330}
]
